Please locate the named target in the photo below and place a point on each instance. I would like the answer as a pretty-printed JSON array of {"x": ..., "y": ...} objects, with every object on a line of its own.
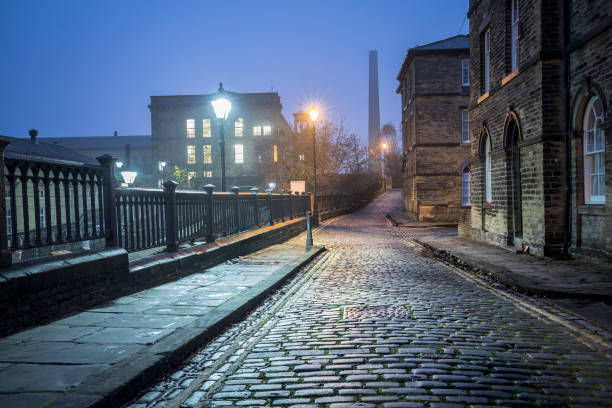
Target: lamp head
[
  {"x": 119, "y": 164},
  {"x": 222, "y": 107},
  {"x": 129, "y": 176},
  {"x": 313, "y": 113}
]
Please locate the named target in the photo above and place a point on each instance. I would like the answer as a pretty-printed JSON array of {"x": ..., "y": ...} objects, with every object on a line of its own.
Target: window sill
[
  {"x": 509, "y": 77},
  {"x": 465, "y": 143},
  {"x": 482, "y": 97},
  {"x": 593, "y": 209}
]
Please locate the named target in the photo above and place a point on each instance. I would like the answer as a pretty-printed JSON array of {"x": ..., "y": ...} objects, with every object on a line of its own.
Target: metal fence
[{"x": 53, "y": 203}]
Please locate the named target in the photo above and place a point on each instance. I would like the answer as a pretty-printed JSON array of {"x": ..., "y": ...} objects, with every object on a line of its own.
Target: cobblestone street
[{"x": 373, "y": 322}]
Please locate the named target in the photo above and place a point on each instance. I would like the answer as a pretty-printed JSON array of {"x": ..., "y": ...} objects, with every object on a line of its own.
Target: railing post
[
  {"x": 236, "y": 190},
  {"x": 270, "y": 218},
  {"x": 282, "y": 205},
  {"x": 210, "y": 233},
  {"x": 254, "y": 191},
  {"x": 5, "y": 252},
  {"x": 108, "y": 187},
  {"x": 171, "y": 215},
  {"x": 290, "y": 206}
]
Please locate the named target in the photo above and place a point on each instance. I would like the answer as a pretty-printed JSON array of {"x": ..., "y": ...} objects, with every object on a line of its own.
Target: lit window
[
  {"x": 207, "y": 173},
  {"x": 594, "y": 153},
  {"x": 465, "y": 72},
  {"x": 191, "y": 175},
  {"x": 487, "y": 60},
  {"x": 256, "y": 130},
  {"x": 275, "y": 153},
  {"x": 267, "y": 130},
  {"x": 514, "y": 35},
  {"x": 9, "y": 217},
  {"x": 260, "y": 158},
  {"x": 466, "y": 186},
  {"x": 488, "y": 193},
  {"x": 205, "y": 127},
  {"x": 465, "y": 127},
  {"x": 302, "y": 157},
  {"x": 190, "y": 128},
  {"x": 238, "y": 153},
  {"x": 191, "y": 155},
  {"x": 238, "y": 127},
  {"x": 207, "y": 151}
]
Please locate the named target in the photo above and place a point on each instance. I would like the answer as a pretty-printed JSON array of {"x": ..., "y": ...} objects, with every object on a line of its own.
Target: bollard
[
  {"x": 308, "y": 232},
  {"x": 210, "y": 233}
]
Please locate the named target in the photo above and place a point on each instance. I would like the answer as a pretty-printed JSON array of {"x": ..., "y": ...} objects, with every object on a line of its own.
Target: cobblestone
[{"x": 416, "y": 334}]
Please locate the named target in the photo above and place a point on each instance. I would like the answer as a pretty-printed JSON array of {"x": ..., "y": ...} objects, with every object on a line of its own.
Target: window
[
  {"x": 207, "y": 173},
  {"x": 41, "y": 209},
  {"x": 267, "y": 130},
  {"x": 302, "y": 157},
  {"x": 260, "y": 158},
  {"x": 256, "y": 130},
  {"x": 190, "y": 176},
  {"x": 206, "y": 128},
  {"x": 191, "y": 155},
  {"x": 207, "y": 151},
  {"x": 488, "y": 193},
  {"x": 238, "y": 153},
  {"x": 465, "y": 72},
  {"x": 275, "y": 150},
  {"x": 238, "y": 127},
  {"x": 9, "y": 217},
  {"x": 466, "y": 186},
  {"x": 594, "y": 154},
  {"x": 190, "y": 128},
  {"x": 487, "y": 60},
  {"x": 514, "y": 35},
  {"x": 465, "y": 127}
]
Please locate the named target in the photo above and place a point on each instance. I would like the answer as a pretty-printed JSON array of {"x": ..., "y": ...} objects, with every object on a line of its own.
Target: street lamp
[
  {"x": 314, "y": 114},
  {"x": 222, "y": 108},
  {"x": 119, "y": 164},
  {"x": 161, "y": 166},
  {"x": 129, "y": 177}
]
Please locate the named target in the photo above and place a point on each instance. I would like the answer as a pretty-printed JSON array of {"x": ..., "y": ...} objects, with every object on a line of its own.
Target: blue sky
[{"x": 88, "y": 67}]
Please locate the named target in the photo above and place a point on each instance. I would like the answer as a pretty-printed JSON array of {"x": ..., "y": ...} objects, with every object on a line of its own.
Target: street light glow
[
  {"x": 129, "y": 176},
  {"x": 119, "y": 164},
  {"x": 314, "y": 113},
  {"x": 384, "y": 145},
  {"x": 222, "y": 108}
]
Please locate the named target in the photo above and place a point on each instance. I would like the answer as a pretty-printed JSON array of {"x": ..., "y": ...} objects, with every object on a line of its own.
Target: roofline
[{"x": 412, "y": 52}]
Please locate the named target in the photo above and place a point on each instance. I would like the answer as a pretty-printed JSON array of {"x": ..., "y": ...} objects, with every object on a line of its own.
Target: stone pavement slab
[{"x": 100, "y": 355}]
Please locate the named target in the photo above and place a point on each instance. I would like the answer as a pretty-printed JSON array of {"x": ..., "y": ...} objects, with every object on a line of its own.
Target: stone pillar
[
  {"x": 108, "y": 190},
  {"x": 171, "y": 215},
  {"x": 210, "y": 234}
]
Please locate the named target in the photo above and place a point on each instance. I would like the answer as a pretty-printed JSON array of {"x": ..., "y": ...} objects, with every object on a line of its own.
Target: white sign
[{"x": 298, "y": 186}]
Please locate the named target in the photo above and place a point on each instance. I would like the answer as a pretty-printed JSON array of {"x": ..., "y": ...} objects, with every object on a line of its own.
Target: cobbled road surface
[{"x": 373, "y": 322}]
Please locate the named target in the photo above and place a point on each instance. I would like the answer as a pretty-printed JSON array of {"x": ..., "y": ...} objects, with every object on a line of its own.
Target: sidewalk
[
  {"x": 526, "y": 273},
  {"x": 103, "y": 356}
]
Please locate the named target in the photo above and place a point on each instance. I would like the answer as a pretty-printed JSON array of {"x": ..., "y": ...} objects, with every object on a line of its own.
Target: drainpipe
[{"x": 567, "y": 129}]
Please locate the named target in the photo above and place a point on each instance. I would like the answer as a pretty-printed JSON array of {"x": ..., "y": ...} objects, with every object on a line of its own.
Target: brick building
[
  {"x": 539, "y": 105},
  {"x": 185, "y": 133},
  {"x": 434, "y": 83}
]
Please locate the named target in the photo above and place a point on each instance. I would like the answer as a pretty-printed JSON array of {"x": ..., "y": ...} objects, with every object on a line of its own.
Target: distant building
[
  {"x": 185, "y": 133},
  {"x": 541, "y": 124},
  {"x": 434, "y": 83}
]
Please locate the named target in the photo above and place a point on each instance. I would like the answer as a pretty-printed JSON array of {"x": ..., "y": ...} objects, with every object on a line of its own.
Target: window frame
[
  {"x": 487, "y": 173},
  {"x": 514, "y": 35},
  {"x": 206, "y": 128},
  {"x": 463, "y": 72},
  {"x": 487, "y": 60},
  {"x": 207, "y": 159},
  {"x": 268, "y": 128},
  {"x": 239, "y": 127},
  {"x": 190, "y": 130},
  {"x": 207, "y": 173},
  {"x": 257, "y": 131},
  {"x": 465, "y": 132},
  {"x": 595, "y": 155},
  {"x": 239, "y": 153},
  {"x": 191, "y": 154},
  {"x": 466, "y": 185},
  {"x": 9, "y": 216}
]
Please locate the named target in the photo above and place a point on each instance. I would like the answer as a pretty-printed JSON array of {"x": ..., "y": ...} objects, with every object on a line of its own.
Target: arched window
[
  {"x": 487, "y": 159},
  {"x": 466, "y": 186},
  {"x": 594, "y": 153}
]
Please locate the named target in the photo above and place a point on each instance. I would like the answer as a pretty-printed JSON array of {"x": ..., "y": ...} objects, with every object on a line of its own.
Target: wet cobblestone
[{"x": 376, "y": 323}]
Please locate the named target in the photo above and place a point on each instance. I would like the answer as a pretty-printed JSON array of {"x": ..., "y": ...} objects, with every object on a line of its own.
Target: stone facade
[
  {"x": 519, "y": 122},
  {"x": 183, "y": 122},
  {"x": 434, "y": 101}
]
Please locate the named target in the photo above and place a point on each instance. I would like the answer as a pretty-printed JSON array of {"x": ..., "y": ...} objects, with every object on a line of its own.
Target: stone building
[
  {"x": 186, "y": 134},
  {"x": 434, "y": 83},
  {"x": 539, "y": 110}
]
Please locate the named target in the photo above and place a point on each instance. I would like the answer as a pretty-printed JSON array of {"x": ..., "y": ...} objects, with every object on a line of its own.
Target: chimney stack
[
  {"x": 115, "y": 134},
  {"x": 33, "y": 133}
]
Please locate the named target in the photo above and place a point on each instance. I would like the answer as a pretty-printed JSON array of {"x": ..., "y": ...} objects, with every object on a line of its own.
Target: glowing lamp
[{"x": 313, "y": 113}]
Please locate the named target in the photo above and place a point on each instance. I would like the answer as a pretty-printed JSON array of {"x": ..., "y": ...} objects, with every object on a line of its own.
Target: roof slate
[{"x": 19, "y": 148}]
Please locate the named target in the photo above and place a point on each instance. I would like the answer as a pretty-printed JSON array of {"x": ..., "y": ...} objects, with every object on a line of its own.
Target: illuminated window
[
  {"x": 238, "y": 127},
  {"x": 275, "y": 154},
  {"x": 238, "y": 153},
  {"x": 191, "y": 155},
  {"x": 465, "y": 72},
  {"x": 487, "y": 61},
  {"x": 594, "y": 153},
  {"x": 190, "y": 128},
  {"x": 207, "y": 173},
  {"x": 256, "y": 130},
  {"x": 514, "y": 35},
  {"x": 267, "y": 130},
  {"x": 466, "y": 186},
  {"x": 260, "y": 158},
  {"x": 465, "y": 127},
  {"x": 191, "y": 175},
  {"x": 488, "y": 192},
  {"x": 207, "y": 150},
  {"x": 302, "y": 157},
  {"x": 205, "y": 127},
  {"x": 9, "y": 217}
]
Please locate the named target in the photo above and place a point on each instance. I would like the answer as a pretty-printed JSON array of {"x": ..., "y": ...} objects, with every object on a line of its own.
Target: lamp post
[
  {"x": 383, "y": 149},
  {"x": 314, "y": 114},
  {"x": 222, "y": 108}
]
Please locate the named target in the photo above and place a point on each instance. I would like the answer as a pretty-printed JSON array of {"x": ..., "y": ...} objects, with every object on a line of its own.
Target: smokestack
[
  {"x": 33, "y": 133},
  {"x": 373, "y": 101}
]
